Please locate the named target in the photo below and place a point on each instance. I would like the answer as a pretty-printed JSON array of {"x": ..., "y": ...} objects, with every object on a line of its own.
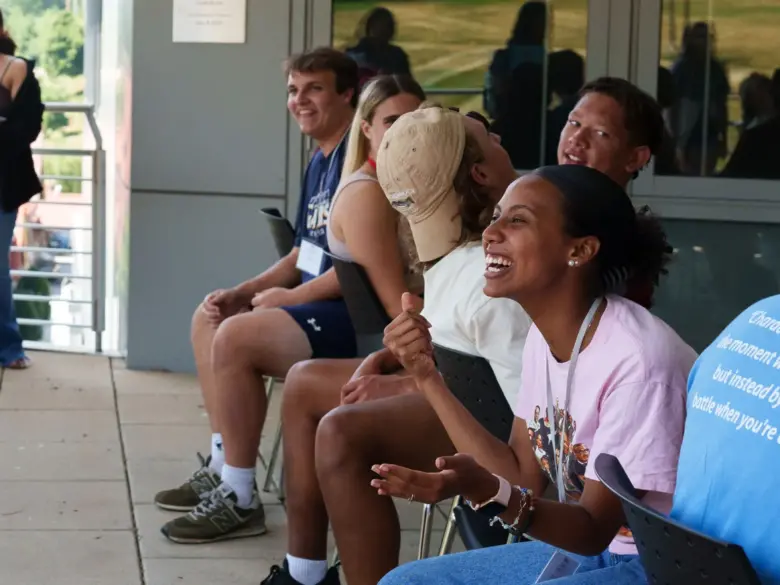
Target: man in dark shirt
[
  {"x": 374, "y": 52},
  {"x": 757, "y": 154},
  {"x": 291, "y": 312}
]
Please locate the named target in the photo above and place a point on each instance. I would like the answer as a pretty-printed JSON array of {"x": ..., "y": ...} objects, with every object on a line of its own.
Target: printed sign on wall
[{"x": 209, "y": 21}]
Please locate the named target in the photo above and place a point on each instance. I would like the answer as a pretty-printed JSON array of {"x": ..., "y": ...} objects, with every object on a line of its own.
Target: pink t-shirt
[{"x": 627, "y": 399}]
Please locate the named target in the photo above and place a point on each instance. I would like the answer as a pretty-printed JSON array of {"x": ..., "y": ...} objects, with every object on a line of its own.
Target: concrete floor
[{"x": 84, "y": 446}]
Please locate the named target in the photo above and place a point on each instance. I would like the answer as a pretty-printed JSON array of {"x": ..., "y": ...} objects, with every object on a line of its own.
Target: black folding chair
[
  {"x": 366, "y": 311},
  {"x": 282, "y": 230},
  {"x": 671, "y": 553},
  {"x": 283, "y": 235},
  {"x": 472, "y": 381}
]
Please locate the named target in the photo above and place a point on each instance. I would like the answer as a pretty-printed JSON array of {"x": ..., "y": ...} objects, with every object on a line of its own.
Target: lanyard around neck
[
  {"x": 558, "y": 445},
  {"x": 331, "y": 158}
]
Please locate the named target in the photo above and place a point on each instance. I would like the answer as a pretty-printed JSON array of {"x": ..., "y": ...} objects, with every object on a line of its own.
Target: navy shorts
[{"x": 328, "y": 327}]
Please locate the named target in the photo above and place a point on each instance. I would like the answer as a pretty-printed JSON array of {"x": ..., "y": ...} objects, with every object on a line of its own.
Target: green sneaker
[
  {"x": 192, "y": 492},
  {"x": 218, "y": 518}
]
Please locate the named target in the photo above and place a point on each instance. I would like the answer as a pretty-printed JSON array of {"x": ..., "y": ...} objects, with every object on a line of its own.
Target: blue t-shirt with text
[
  {"x": 728, "y": 476},
  {"x": 320, "y": 181}
]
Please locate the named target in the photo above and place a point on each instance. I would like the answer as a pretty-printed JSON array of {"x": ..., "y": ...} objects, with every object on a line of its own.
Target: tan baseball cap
[{"x": 416, "y": 167}]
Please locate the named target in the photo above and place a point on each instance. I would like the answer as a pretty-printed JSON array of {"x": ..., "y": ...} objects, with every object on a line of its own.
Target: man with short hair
[
  {"x": 289, "y": 313},
  {"x": 613, "y": 128}
]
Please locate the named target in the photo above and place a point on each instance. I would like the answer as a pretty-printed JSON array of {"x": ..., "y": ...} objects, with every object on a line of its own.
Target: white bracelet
[{"x": 526, "y": 502}]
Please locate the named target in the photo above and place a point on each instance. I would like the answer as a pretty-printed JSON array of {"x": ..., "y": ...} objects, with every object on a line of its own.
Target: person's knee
[
  {"x": 199, "y": 325},
  {"x": 299, "y": 382},
  {"x": 340, "y": 442},
  {"x": 229, "y": 341}
]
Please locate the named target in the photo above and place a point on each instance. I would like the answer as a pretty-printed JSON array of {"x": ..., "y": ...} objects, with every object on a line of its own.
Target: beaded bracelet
[{"x": 526, "y": 502}]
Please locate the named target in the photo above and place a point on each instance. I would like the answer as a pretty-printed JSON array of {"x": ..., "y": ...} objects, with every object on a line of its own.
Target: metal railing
[{"x": 94, "y": 245}]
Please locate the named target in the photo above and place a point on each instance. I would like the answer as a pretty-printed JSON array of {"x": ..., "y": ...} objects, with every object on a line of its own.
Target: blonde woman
[{"x": 362, "y": 227}]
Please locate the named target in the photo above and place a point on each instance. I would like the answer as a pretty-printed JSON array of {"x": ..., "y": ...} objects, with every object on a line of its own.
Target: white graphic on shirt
[
  {"x": 317, "y": 214},
  {"x": 313, "y": 323}
]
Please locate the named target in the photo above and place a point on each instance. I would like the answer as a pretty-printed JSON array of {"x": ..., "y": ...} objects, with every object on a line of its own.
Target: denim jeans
[
  {"x": 516, "y": 564},
  {"x": 10, "y": 338}
]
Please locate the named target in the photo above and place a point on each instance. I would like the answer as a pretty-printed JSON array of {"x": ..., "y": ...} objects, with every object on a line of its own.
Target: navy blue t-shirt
[{"x": 320, "y": 181}]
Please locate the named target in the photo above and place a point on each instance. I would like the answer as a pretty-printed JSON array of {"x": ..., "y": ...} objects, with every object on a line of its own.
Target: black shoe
[{"x": 281, "y": 576}]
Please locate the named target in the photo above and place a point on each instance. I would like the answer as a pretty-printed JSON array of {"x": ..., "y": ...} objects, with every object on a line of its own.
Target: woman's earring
[{"x": 573, "y": 263}]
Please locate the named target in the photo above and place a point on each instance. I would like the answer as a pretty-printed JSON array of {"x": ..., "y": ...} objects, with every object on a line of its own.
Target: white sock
[
  {"x": 306, "y": 571},
  {"x": 217, "y": 454},
  {"x": 242, "y": 481}
]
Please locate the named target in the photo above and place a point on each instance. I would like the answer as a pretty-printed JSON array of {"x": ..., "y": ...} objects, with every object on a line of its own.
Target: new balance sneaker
[
  {"x": 218, "y": 518},
  {"x": 192, "y": 492},
  {"x": 281, "y": 576}
]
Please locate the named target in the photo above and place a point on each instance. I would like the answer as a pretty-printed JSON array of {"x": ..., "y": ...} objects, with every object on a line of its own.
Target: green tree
[
  {"x": 34, "y": 7},
  {"x": 21, "y": 27},
  {"x": 59, "y": 43}
]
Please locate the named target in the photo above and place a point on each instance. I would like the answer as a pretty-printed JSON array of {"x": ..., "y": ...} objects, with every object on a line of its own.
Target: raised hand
[{"x": 409, "y": 338}]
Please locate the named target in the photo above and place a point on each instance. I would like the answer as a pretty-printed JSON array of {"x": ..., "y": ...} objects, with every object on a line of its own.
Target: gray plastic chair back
[
  {"x": 366, "y": 311},
  {"x": 282, "y": 230},
  {"x": 671, "y": 553},
  {"x": 471, "y": 379}
]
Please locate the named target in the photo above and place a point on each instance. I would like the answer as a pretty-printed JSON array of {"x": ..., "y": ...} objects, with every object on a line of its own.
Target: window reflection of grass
[
  {"x": 462, "y": 34},
  {"x": 450, "y": 43},
  {"x": 746, "y": 30}
]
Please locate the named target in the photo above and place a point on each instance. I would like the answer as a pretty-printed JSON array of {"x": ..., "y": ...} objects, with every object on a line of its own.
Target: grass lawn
[{"x": 450, "y": 42}]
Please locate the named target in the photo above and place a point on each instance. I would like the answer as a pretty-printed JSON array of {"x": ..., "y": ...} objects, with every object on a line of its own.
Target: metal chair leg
[
  {"x": 269, "y": 474},
  {"x": 280, "y": 492},
  {"x": 269, "y": 484},
  {"x": 449, "y": 530},
  {"x": 269, "y": 387},
  {"x": 426, "y": 526}
]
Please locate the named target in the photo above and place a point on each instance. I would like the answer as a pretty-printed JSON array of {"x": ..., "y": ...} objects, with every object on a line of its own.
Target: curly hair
[{"x": 651, "y": 255}]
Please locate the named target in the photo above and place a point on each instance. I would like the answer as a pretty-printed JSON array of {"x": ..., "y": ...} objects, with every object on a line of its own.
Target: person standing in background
[
  {"x": 21, "y": 117},
  {"x": 374, "y": 52}
]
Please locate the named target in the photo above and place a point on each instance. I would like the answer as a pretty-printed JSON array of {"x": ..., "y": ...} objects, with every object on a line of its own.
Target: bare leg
[
  {"x": 202, "y": 336},
  {"x": 350, "y": 439},
  {"x": 246, "y": 348},
  {"x": 311, "y": 390}
]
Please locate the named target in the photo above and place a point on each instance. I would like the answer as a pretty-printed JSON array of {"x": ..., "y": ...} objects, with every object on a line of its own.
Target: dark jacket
[
  {"x": 757, "y": 154},
  {"x": 23, "y": 121}
]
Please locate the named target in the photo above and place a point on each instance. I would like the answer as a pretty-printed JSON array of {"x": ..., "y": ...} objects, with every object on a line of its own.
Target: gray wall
[
  {"x": 211, "y": 145},
  {"x": 187, "y": 246}
]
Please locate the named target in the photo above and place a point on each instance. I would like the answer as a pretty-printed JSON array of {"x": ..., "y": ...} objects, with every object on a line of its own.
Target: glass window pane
[
  {"x": 719, "y": 83},
  {"x": 719, "y": 269},
  {"x": 492, "y": 56}
]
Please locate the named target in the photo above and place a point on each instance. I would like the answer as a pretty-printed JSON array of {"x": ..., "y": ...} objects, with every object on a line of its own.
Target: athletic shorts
[{"x": 328, "y": 327}]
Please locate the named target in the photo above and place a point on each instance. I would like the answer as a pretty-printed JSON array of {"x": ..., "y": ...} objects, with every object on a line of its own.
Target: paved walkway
[{"x": 84, "y": 445}]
